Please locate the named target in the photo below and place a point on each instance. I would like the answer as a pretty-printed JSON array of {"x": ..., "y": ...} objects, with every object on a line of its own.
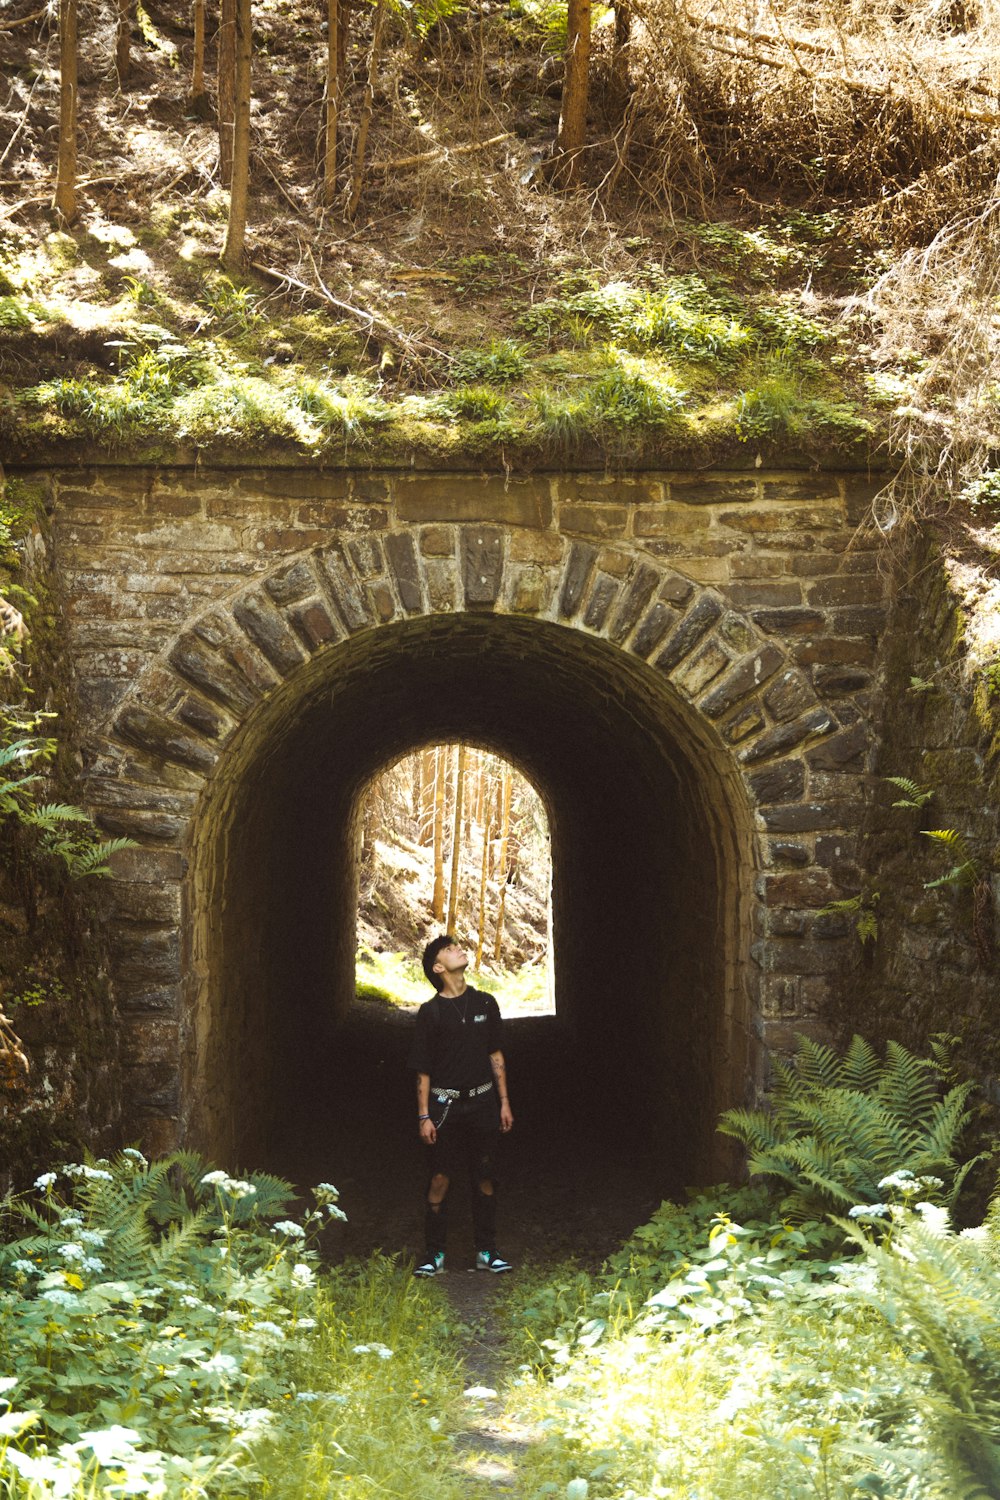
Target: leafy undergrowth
[
  {"x": 732, "y": 1349},
  {"x": 165, "y": 1331}
]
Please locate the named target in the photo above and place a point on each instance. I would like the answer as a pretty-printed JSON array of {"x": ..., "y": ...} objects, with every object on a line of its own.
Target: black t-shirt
[{"x": 454, "y": 1039}]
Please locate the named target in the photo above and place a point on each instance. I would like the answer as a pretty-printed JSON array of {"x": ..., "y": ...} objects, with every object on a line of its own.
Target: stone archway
[{"x": 613, "y": 678}]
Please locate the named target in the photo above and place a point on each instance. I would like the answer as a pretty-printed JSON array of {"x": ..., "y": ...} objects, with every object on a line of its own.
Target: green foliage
[
  {"x": 914, "y": 795},
  {"x": 939, "y": 1293},
  {"x": 983, "y": 492},
  {"x": 965, "y": 871},
  {"x": 862, "y": 908},
  {"x": 50, "y": 829},
  {"x": 839, "y": 1124},
  {"x": 502, "y": 361},
  {"x": 478, "y": 403}
]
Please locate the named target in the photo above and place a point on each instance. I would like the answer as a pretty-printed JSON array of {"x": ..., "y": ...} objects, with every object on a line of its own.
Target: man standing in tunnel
[{"x": 462, "y": 1103}]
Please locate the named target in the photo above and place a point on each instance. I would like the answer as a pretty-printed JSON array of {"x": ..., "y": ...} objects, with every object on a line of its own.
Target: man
[{"x": 462, "y": 1103}]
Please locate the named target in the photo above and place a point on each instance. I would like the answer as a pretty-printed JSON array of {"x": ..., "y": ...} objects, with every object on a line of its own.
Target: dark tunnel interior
[{"x": 651, "y": 849}]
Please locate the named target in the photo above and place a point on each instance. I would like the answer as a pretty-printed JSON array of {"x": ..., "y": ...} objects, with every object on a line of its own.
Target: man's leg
[
  {"x": 436, "y": 1214},
  {"x": 483, "y": 1181}
]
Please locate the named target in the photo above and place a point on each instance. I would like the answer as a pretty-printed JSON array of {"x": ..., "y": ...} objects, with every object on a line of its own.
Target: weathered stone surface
[
  {"x": 832, "y": 681},
  {"x": 783, "y": 782},
  {"x": 366, "y": 554},
  {"x": 694, "y": 674},
  {"x": 840, "y": 750},
  {"x": 383, "y": 601},
  {"x": 269, "y": 633},
  {"x": 765, "y": 595},
  {"x": 437, "y": 541},
  {"x": 404, "y": 566},
  {"x": 637, "y": 595},
  {"x": 602, "y": 596},
  {"x": 162, "y": 738},
  {"x": 685, "y": 636},
  {"x": 289, "y": 585},
  {"x": 803, "y": 888},
  {"x": 788, "y": 696},
  {"x": 747, "y": 721},
  {"x": 659, "y": 618},
  {"x": 811, "y": 817},
  {"x": 291, "y": 484},
  {"x": 789, "y": 621},
  {"x": 692, "y": 489},
  {"x": 675, "y": 589},
  {"x": 747, "y": 675},
  {"x": 482, "y": 564},
  {"x": 506, "y": 502},
  {"x": 344, "y": 592},
  {"x": 847, "y": 590},
  {"x": 786, "y": 736},
  {"x": 531, "y": 590},
  {"x": 200, "y": 716},
  {"x": 314, "y": 624},
  {"x": 787, "y": 852},
  {"x": 593, "y": 520},
  {"x": 577, "y": 572}
]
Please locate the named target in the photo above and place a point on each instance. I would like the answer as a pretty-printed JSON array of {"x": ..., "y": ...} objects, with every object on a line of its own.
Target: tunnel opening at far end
[
  {"x": 651, "y": 849},
  {"x": 453, "y": 838}
]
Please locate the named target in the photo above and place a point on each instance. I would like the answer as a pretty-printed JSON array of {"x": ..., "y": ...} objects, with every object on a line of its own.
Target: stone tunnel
[{"x": 681, "y": 663}]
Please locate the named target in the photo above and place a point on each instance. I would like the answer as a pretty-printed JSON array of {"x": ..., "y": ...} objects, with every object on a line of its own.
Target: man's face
[{"x": 451, "y": 960}]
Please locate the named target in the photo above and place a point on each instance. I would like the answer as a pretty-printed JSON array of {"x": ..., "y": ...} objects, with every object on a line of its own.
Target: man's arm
[
  {"x": 500, "y": 1079},
  {"x": 424, "y": 1122}
]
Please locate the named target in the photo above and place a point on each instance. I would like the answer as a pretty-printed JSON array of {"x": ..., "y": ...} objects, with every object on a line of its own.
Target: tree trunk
[
  {"x": 364, "y": 122},
  {"x": 456, "y": 838},
  {"x": 426, "y": 829},
  {"x": 198, "y": 100},
  {"x": 572, "y": 135},
  {"x": 123, "y": 41},
  {"x": 333, "y": 76},
  {"x": 437, "y": 901},
  {"x": 225, "y": 87},
  {"x": 232, "y": 253},
  {"x": 65, "y": 197},
  {"x": 483, "y": 871},
  {"x": 502, "y": 870}
]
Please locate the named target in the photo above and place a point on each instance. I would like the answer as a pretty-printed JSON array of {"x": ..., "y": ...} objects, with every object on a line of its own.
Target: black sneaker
[
  {"x": 489, "y": 1260},
  {"x": 431, "y": 1265}
]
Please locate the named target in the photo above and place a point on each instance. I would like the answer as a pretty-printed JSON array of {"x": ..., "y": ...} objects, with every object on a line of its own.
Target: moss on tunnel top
[{"x": 130, "y": 341}]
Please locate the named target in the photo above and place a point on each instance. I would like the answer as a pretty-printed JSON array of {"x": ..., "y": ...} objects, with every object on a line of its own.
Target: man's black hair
[{"x": 430, "y": 957}]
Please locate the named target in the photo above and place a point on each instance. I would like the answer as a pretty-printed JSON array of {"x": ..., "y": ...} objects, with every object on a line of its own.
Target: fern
[
  {"x": 914, "y": 795},
  {"x": 965, "y": 871},
  {"x": 838, "y": 1125},
  {"x": 941, "y": 1295}
]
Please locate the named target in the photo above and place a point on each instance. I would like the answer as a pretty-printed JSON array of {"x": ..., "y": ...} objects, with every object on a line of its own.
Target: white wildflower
[
  {"x": 7, "y": 1383},
  {"x": 93, "y": 1263},
  {"x": 327, "y": 1187},
  {"x": 302, "y": 1275},
  {"x": 268, "y": 1329},
  {"x": 91, "y": 1237},
  {"x": 60, "y": 1298},
  {"x": 868, "y": 1210},
  {"x": 290, "y": 1228},
  {"x": 934, "y": 1216},
  {"x": 334, "y": 1212},
  {"x": 71, "y": 1222},
  {"x": 46, "y": 1180},
  {"x": 90, "y": 1174},
  {"x": 27, "y": 1267},
  {"x": 305, "y": 1323},
  {"x": 220, "y": 1364},
  {"x": 135, "y": 1156},
  {"x": 211, "y": 1178},
  {"x": 109, "y": 1444},
  {"x": 72, "y": 1251},
  {"x": 904, "y": 1179}
]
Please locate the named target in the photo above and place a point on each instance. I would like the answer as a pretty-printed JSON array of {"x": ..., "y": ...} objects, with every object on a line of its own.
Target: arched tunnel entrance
[{"x": 652, "y": 852}]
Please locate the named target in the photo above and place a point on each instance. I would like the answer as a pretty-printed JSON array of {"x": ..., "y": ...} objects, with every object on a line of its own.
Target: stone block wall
[{"x": 746, "y": 611}]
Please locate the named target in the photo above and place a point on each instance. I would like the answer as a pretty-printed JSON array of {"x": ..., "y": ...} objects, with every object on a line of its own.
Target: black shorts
[{"x": 468, "y": 1131}]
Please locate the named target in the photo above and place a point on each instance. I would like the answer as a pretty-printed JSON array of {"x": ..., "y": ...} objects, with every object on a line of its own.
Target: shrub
[{"x": 838, "y": 1126}]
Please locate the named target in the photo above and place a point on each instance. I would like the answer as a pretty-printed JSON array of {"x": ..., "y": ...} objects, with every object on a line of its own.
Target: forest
[{"x": 505, "y": 236}]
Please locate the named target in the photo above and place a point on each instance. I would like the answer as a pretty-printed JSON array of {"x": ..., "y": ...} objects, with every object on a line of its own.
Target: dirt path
[{"x": 490, "y": 1444}]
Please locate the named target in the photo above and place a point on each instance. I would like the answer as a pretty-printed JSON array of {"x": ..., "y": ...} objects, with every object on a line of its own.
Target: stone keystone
[{"x": 482, "y": 564}]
